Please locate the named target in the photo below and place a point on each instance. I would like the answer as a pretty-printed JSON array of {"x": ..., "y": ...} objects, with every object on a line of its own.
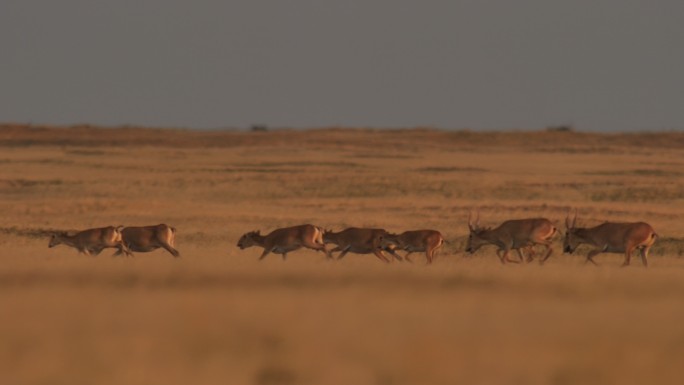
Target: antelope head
[
  {"x": 386, "y": 241},
  {"x": 328, "y": 236},
  {"x": 55, "y": 239},
  {"x": 474, "y": 239},
  {"x": 571, "y": 241},
  {"x": 248, "y": 239}
]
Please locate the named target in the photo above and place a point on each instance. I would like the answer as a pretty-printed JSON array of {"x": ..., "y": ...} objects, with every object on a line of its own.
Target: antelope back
[
  {"x": 420, "y": 238},
  {"x": 358, "y": 237},
  {"x": 148, "y": 235},
  {"x": 526, "y": 230}
]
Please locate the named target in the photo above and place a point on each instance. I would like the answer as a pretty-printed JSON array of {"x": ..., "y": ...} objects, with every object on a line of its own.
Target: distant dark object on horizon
[
  {"x": 561, "y": 128},
  {"x": 259, "y": 128}
]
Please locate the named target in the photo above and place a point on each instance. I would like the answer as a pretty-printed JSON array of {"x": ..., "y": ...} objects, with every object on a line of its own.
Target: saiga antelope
[
  {"x": 360, "y": 241},
  {"x": 610, "y": 237},
  {"x": 428, "y": 241},
  {"x": 150, "y": 238},
  {"x": 513, "y": 234},
  {"x": 91, "y": 241},
  {"x": 282, "y": 241}
]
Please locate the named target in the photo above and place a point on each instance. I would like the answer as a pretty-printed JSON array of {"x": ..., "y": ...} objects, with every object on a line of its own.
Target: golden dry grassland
[{"x": 218, "y": 316}]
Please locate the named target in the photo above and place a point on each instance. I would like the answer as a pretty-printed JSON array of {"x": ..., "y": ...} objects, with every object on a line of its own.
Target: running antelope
[
  {"x": 610, "y": 237},
  {"x": 92, "y": 241},
  {"x": 150, "y": 238},
  {"x": 359, "y": 241},
  {"x": 282, "y": 241},
  {"x": 428, "y": 241},
  {"x": 514, "y": 234}
]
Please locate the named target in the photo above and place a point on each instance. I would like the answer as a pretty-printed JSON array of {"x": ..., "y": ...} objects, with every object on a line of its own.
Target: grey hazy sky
[{"x": 499, "y": 64}]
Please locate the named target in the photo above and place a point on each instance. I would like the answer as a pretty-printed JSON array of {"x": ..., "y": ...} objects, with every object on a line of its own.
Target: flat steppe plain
[{"x": 219, "y": 316}]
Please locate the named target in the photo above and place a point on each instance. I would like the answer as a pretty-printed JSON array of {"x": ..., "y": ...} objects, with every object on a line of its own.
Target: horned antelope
[
  {"x": 513, "y": 234},
  {"x": 610, "y": 237},
  {"x": 428, "y": 241},
  {"x": 282, "y": 241},
  {"x": 360, "y": 241},
  {"x": 150, "y": 238},
  {"x": 92, "y": 241}
]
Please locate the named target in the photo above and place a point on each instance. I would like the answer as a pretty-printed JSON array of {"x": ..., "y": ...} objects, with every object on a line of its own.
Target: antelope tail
[{"x": 318, "y": 238}]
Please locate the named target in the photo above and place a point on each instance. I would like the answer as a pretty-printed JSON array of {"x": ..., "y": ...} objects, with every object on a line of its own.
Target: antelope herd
[{"x": 521, "y": 235}]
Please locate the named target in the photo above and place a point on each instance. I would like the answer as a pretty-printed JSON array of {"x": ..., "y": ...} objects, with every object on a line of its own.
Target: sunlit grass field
[{"x": 219, "y": 316}]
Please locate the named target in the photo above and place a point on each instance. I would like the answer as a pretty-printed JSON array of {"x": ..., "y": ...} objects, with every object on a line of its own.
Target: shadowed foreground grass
[{"x": 214, "y": 319}]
